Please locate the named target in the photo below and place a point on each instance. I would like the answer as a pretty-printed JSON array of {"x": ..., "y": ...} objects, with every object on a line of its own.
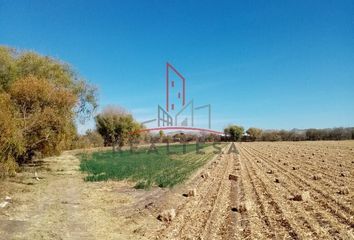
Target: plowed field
[{"x": 283, "y": 191}]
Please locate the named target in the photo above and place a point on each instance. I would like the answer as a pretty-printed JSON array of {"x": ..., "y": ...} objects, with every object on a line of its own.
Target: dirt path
[{"x": 62, "y": 206}]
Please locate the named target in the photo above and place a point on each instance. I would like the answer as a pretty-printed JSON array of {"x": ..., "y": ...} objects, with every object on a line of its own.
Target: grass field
[{"x": 163, "y": 167}]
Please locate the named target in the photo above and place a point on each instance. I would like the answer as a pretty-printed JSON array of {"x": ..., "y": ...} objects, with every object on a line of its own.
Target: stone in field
[
  {"x": 6, "y": 202},
  {"x": 167, "y": 215},
  {"x": 233, "y": 177},
  {"x": 304, "y": 196},
  {"x": 205, "y": 175},
  {"x": 343, "y": 191},
  {"x": 192, "y": 193},
  {"x": 316, "y": 177},
  {"x": 3, "y": 204},
  {"x": 240, "y": 208}
]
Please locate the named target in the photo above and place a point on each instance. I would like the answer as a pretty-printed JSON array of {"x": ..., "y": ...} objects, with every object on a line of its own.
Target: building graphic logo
[{"x": 179, "y": 112}]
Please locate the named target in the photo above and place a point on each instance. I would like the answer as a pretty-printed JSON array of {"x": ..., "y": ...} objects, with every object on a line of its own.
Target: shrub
[
  {"x": 234, "y": 132},
  {"x": 90, "y": 139},
  {"x": 39, "y": 100},
  {"x": 254, "y": 133},
  {"x": 116, "y": 126}
]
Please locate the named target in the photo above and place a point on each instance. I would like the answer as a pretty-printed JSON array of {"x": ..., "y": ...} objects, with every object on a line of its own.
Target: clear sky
[{"x": 270, "y": 64}]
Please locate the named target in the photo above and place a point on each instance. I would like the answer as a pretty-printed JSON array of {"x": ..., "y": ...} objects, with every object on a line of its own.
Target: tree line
[{"x": 237, "y": 133}]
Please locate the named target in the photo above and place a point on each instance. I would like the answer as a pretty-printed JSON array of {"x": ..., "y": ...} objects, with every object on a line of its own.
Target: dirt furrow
[
  {"x": 332, "y": 179},
  {"x": 283, "y": 228},
  {"x": 306, "y": 226},
  {"x": 260, "y": 208},
  {"x": 221, "y": 207},
  {"x": 325, "y": 220},
  {"x": 193, "y": 216},
  {"x": 237, "y": 222},
  {"x": 346, "y": 209},
  {"x": 332, "y": 206}
]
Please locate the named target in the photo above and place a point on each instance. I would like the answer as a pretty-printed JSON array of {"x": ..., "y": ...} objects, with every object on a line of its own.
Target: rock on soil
[
  {"x": 205, "y": 175},
  {"x": 316, "y": 177},
  {"x": 167, "y": 215},
  {"x": 343, "y": 191},
  {"x": 192, "y": 192},
  {"x": 6, "y": 202},
  {"x": 240, "y": 208},
  {"x": 304, "y": 196},
  {"x": 3, "y": 204},
  {"x": 233, "y": 177}
]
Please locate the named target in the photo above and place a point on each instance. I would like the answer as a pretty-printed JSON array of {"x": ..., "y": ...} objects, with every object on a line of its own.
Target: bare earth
[{"x": 261, "y": 204}]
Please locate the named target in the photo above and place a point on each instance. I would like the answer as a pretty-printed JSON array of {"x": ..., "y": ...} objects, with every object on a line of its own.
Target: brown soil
[{"x": 251, "y": 205}]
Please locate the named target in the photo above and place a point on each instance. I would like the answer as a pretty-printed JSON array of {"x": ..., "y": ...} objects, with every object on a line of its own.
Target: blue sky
[{"x": 270, "y": 64}]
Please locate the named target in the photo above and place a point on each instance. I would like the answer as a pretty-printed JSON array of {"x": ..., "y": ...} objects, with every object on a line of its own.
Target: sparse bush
[
  {"x": 254, "y": 133},
  {"x": 271, "y": 136},
  {"x": 90, "y": 139}
]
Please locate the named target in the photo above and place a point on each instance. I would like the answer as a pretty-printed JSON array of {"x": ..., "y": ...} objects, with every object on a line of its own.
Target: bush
[
  {"x": 91, "y": 139},
  {"x": 39, "y": 100},
  {"x": 271, "y": 136},
  {"x": 117, "y": 127},
  {"x": 254, "y": 133},
  {"x": 234, "y": 132}
]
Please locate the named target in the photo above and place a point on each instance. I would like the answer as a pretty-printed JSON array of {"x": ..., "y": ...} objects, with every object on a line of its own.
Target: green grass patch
[{"x": 146, "y": 166}]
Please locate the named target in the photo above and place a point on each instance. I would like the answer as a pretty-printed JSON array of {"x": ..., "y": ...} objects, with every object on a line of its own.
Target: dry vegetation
[{"x": 280, "y": 190}]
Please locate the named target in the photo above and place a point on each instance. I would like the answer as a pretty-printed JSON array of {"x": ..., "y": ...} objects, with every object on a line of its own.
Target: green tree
[
  {"x": 234, "y": 132},
  {"x": 254, "y": 133},
  {"x": 117, "y": 127}
]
